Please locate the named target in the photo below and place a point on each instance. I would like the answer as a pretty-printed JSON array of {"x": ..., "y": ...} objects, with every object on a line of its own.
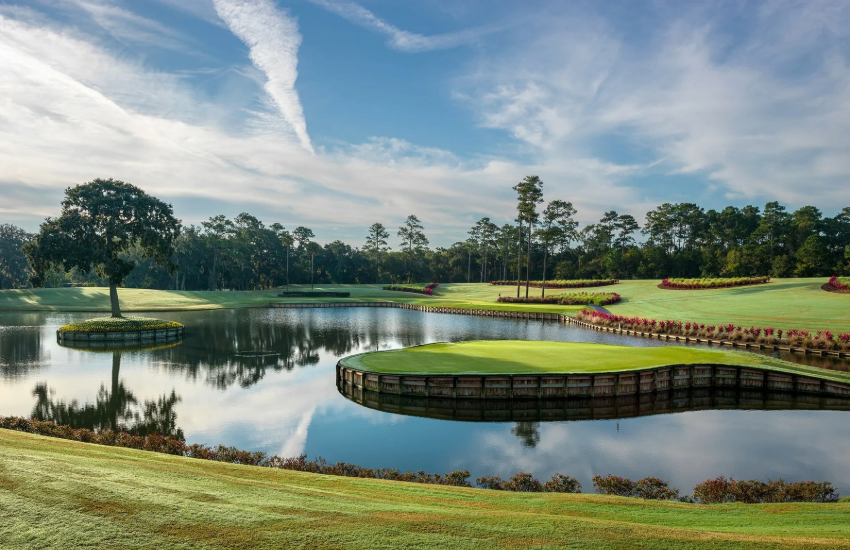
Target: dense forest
[{"x": 675, "y": 240}]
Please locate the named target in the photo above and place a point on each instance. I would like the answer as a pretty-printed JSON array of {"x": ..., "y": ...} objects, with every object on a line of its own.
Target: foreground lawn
[
  {"x": 64, "y": 494},
  {"x": 544, "y": 357},
  {"x": 781, "y": 303}
]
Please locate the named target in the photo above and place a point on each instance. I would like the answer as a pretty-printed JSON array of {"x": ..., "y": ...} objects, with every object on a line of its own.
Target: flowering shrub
[
  {"x": 573, "y": 283},
  {"x": 496, "y": 483},
  {"x": 523, "y": 483},
  {"x": 700, "y": 284},
  {"x": 421, "y": 288},
  {"x": 838, "y": 284},
  {"x": 570, "y": 299},
  {"x": 613, "y": 485},
  {"x": 562, "y": 484},
  {"x": 753, "y": 491},
  {"x": 708, "y": 492},
  {"x": 822, "y": 339},
  {"x": 649, "y": 487},
  {"x": 123, "y": 324}
]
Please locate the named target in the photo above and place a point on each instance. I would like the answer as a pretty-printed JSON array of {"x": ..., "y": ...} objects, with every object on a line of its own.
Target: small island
[
  {"x": 535, "y": 369},
  {"x": 121, "y": 329}
]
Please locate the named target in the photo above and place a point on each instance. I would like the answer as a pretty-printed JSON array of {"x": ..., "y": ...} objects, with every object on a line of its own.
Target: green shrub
[{"x": 124, "y": 324}]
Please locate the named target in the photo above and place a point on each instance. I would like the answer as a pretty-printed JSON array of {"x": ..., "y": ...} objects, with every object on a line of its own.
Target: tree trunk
[
  {"x": 528, "y": 263},
  {"x": 518, "y": 257},
  {"x": 113, "y": 301},
  {"x": 116, "y": 370},
  {"x": 543, "y": 287}
]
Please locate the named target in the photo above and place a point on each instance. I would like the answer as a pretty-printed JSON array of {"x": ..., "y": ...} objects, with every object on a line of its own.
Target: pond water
[{"x": 264, "y": 379}]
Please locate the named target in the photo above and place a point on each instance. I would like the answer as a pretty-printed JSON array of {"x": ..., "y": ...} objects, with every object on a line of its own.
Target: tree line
[{"x": 544, "y": 241}]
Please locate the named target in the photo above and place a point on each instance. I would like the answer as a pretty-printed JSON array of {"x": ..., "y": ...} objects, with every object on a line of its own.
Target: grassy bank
[
  {"x": 63, "y": 494},
  {"x": 535, "y": 357},
  {"x": 782, "y": 303},
  {"x": 96, "y": 299}
]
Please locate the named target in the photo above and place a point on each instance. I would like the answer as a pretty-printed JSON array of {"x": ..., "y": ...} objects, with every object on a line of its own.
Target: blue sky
[{"x": 335, "y": 114}]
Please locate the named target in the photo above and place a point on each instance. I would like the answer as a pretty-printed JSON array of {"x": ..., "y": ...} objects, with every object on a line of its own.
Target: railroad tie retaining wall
[
  {"x": 527, "y": 386},
  {"x": 163, "y": 335}
]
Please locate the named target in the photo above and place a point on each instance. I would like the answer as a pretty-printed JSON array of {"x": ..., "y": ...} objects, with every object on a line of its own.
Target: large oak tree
[{"x": 100, "y": 220}]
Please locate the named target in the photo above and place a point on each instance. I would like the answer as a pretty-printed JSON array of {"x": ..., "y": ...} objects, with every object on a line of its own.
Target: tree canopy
[{"x": 100, "y": 222}]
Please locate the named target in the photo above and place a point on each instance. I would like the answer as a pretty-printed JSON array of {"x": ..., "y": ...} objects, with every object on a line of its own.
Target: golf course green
[{"x": 500, "y": 357}]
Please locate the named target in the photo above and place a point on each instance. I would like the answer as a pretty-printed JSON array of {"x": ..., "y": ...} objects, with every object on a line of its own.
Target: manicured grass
[
  {"x": 544, "y": 357},
  {"x": 64, "y": 494},
  {"x": 783, "y": 303},
  {"x": 475, "y": 296},
  {"x": 125, "y": 324}
]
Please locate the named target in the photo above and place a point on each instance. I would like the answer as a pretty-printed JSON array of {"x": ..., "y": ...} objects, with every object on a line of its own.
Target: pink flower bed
[{"x": 822, "y": 339}]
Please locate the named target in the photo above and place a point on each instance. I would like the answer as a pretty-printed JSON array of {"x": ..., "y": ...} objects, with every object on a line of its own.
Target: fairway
[
  {"x": 537, "y": 357},
  {"x": 781, "y": 303},
  {"x": 57, "y": 493}
]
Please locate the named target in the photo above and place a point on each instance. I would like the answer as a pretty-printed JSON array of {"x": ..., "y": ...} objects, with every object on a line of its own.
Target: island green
[{"x": 495, "y": 357}]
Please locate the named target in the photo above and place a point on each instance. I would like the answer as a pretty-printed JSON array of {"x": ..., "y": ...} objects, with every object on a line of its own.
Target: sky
[{"x": 336, "y": 114}]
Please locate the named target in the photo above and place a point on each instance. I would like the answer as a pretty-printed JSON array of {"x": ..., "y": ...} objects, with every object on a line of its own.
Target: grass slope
[
  {"x": 64, "y": 494},
  {"x": 781, "y": 303},
  {"x": 544, "y": 357}
]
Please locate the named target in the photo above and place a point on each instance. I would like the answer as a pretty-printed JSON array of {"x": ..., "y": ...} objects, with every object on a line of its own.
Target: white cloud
[
  {"x": 126, "y": 26},
  {"x": 399, "y": 39},
  {"x": 273, "y": 38},
  {"x": 762, "y": 114}
]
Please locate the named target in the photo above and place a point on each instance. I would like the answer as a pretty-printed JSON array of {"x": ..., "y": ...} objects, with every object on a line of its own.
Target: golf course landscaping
[
  {"x": 58, "y": 493},
  {"x": 522, "y": 357}
]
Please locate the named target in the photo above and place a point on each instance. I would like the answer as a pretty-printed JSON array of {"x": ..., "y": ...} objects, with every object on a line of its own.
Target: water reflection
[
  {"x": 114, "y": 409},
  {"x": 528, "y": 413},
  {"x": 266, "y": 380}
]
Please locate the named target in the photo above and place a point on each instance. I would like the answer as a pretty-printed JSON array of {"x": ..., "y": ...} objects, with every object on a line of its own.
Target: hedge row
[
  {"x": 571, "y": 299},
  {"x": 574, "y": 283},
  {"x": 122, "y": 324},
  {"x": 420, "y": 288},
  {"x": 708, "y": 492},
  {"x": 822, "y": 339},
  {"x": 702, "y": 284}
]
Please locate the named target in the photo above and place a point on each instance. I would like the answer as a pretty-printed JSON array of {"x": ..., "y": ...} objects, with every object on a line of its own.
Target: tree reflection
[
  {"x": 114, "y": 409},
  {"x": 20, "y": 350},
  {"x": 240, "y": 350},
  {"x": 528, "y": 433}
]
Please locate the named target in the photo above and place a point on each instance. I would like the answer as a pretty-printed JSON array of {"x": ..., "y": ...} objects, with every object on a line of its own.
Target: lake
[{"x": 264, "y": 379}]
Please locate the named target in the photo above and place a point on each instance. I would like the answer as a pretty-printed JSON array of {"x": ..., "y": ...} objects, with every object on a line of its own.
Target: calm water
[{"x": 264, "y": 380}]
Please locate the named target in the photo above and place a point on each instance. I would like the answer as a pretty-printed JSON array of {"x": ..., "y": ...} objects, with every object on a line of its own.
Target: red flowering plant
[
  {"x": 419, "y": 288},
  {"x": 841, "y": 284},
  {"x": 823, "y": 339}
]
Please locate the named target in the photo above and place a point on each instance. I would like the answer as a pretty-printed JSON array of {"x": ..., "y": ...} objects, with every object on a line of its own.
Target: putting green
[{"x": 536, "y": 357}]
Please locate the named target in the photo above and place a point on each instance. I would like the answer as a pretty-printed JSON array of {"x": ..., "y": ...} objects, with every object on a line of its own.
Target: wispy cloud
[
  {"x": 128, "y": 27},
  {"x": 399, "y": 39},
  {"x": 273, "y": 38},
  {"x": 761, "y": 114}
]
